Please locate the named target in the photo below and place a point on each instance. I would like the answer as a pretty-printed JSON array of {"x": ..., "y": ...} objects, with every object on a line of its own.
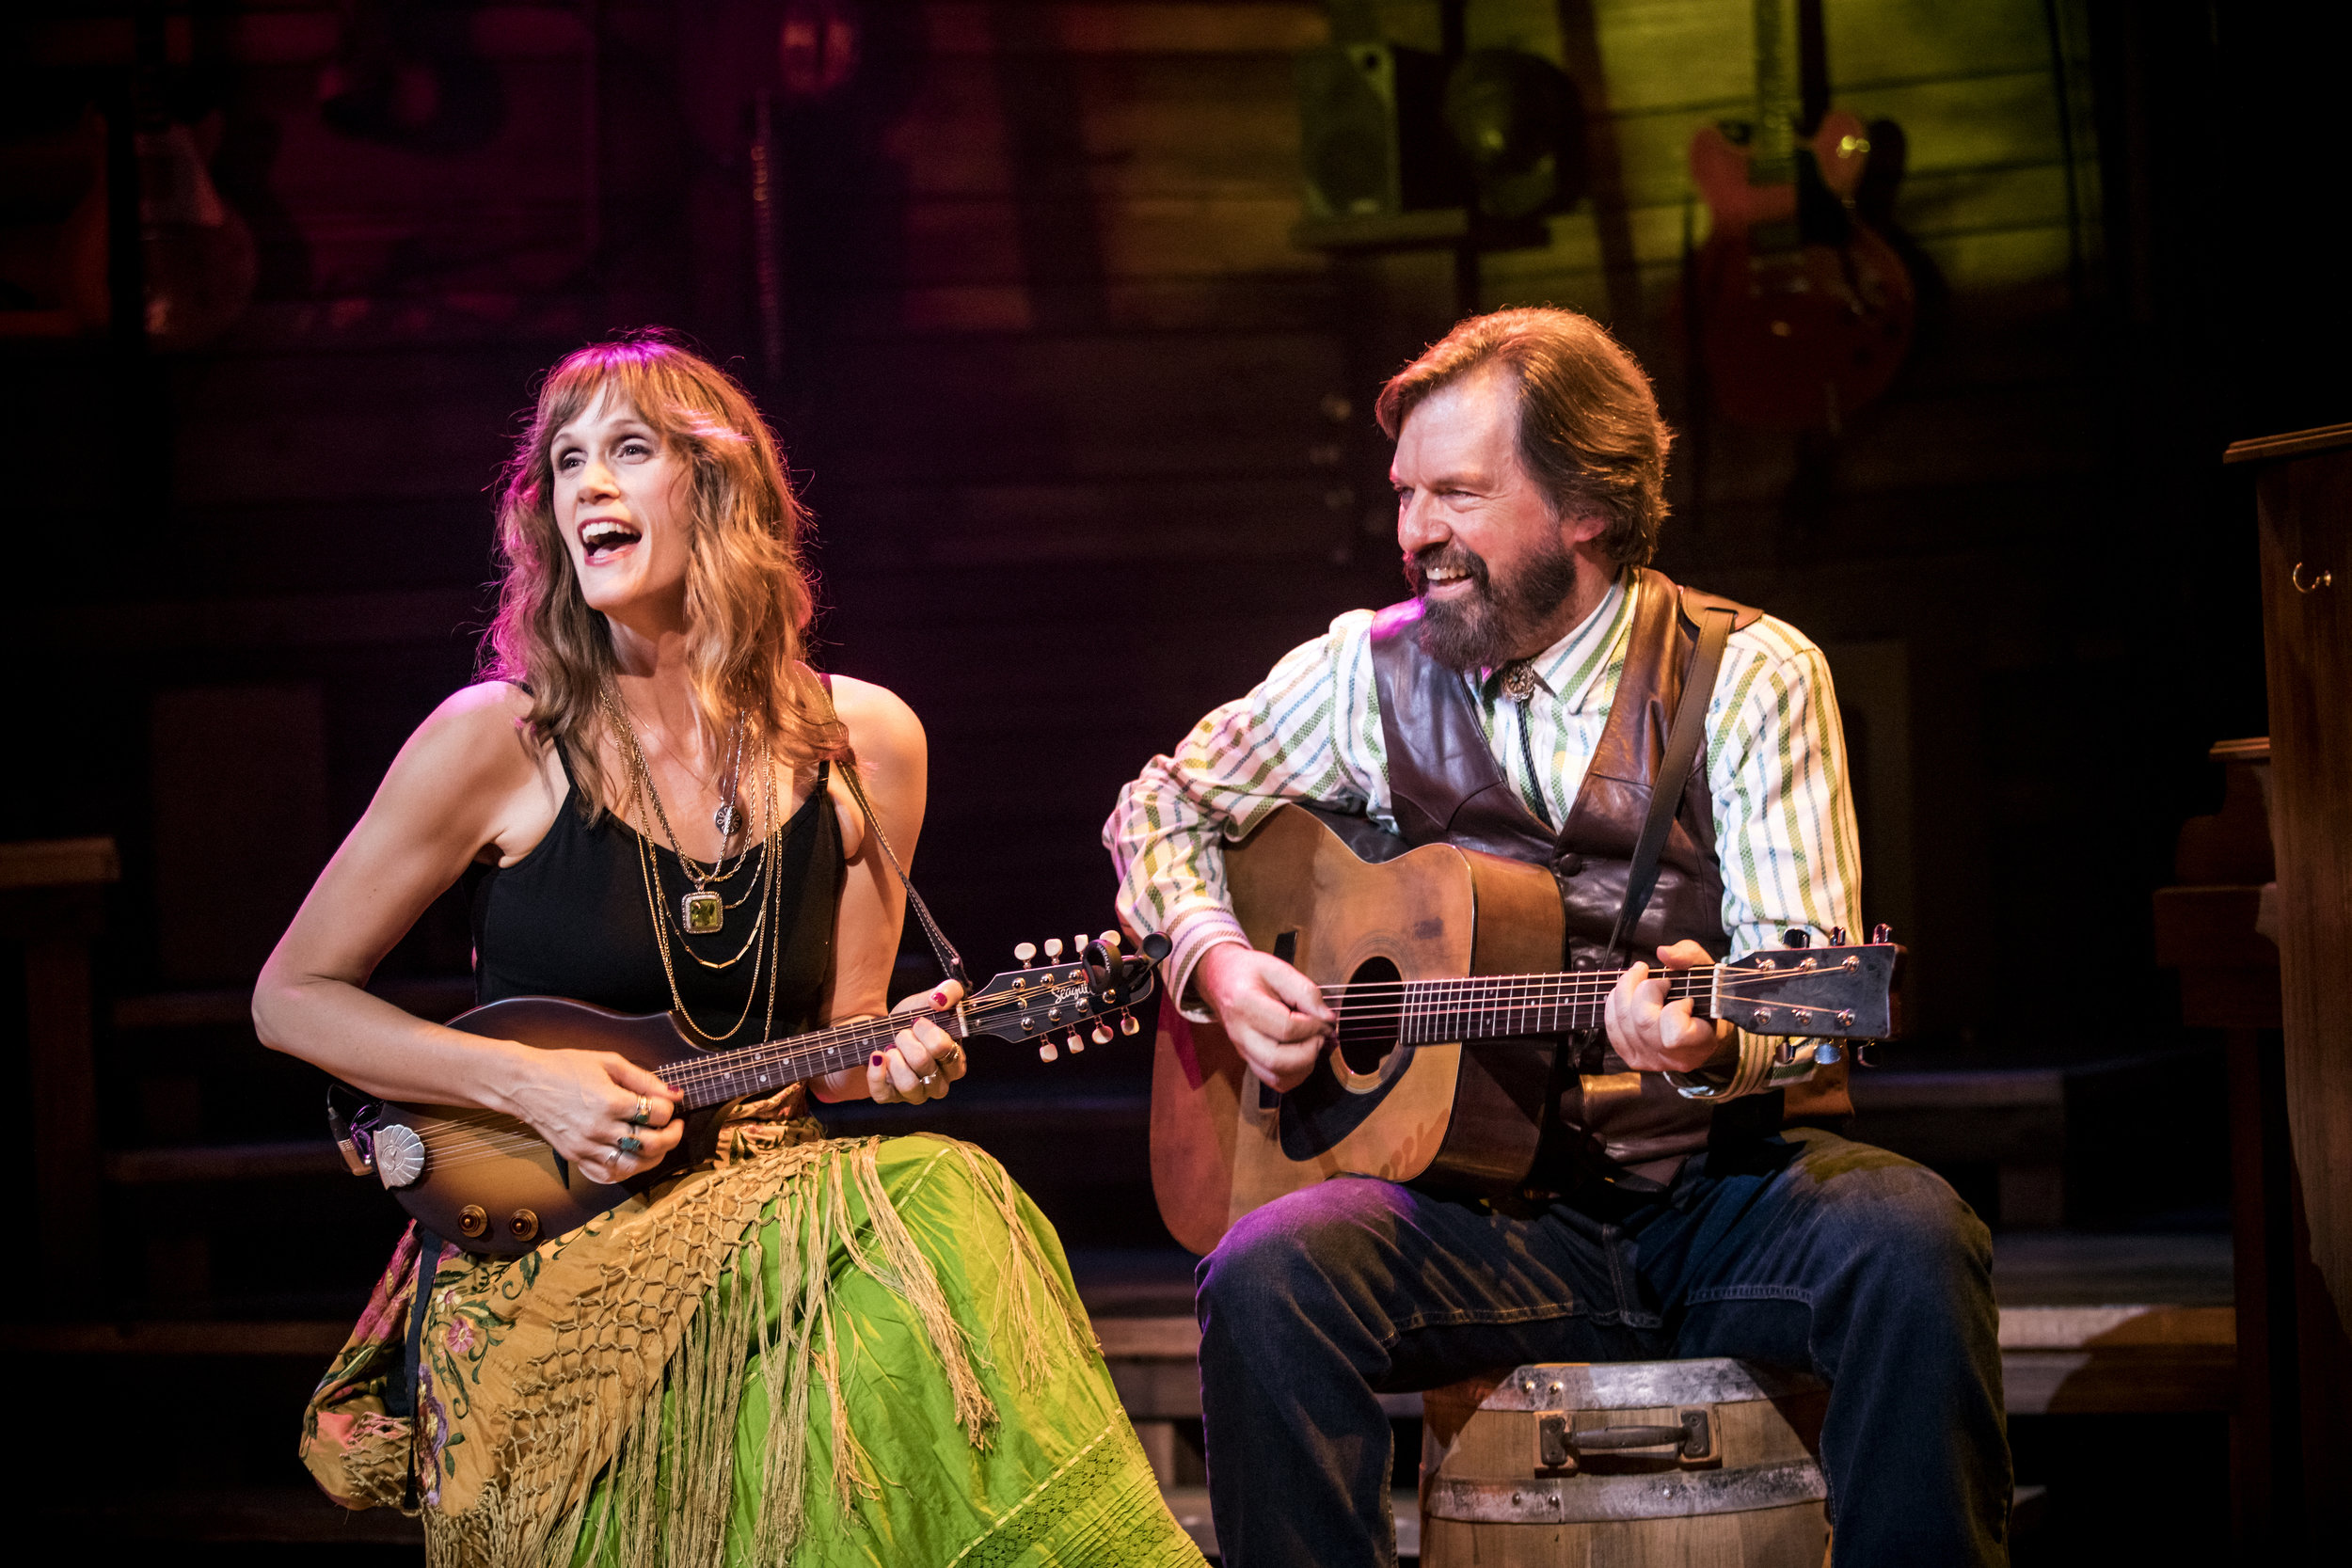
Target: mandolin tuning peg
[
  {"x": 1076, "y": 1042},
  {"x": 1796, "y": 937},
  {"x": 1785, "y": 1052},
  {"x": 1046, "y": 1050},
  {"x": 1866, "y": 1054},
  {"x": 1837, "y": 936},
  {"x": 1100, "y": 1035},
  {"x": 1127, "y": 1024},
  {"x": 1023, "y": 952},
  {"x": 1827, "y": 1054},
  {"x": 1053, "y": 948},
  {"x": 1882, "y": 934}
]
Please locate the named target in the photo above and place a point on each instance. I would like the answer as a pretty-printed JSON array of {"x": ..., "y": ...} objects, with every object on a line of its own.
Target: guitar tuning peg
[
  {"x": 1078, "y": 946},
  {"x": 1053, "y": 948},
  {"x": 1076, "y": 1042},
  {"x": 1101, "y": 1034},
  {"x": 1023, "y": 952},
  {"x": 1837, "y": 936},
  {"x": 1046, "y": 1050},
  {"x": 1109, "y": 939},
  {"x": 1785, "y": 1052},
  {"x": 1127, "y": 1024},
  {"x": 1866, "y": 1054},
  {"x": 1882, "y": 933},
  {"x": 1827, "y": 1054},
  {"x": 1796, "y": 937}
]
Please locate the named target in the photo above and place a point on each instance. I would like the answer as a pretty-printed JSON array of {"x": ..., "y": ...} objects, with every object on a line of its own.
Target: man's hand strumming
[{"x": 1273, "y": 1014}]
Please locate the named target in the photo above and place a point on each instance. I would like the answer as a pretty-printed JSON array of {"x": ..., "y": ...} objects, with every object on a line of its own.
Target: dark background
[{"x": 1089, "y": 445}]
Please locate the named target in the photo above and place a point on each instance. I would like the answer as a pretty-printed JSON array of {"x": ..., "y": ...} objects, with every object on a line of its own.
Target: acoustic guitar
[
  {"x": 1441, "y": 964},
  {"x": 493, "y": 1185},
  {"x": 1804, "y": 311}
]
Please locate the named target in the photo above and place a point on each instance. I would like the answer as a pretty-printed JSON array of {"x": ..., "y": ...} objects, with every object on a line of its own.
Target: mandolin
[
  {"x": 1804, "y": 310},
  {"x": 492, "y": 1185},
  {"x": 1435, "y": 962}
]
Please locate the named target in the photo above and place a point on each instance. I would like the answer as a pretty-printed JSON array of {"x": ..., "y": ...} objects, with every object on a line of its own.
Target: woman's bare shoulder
[
  {"x": 479, "y": 737},
  {"x": 882, "y": 729}
]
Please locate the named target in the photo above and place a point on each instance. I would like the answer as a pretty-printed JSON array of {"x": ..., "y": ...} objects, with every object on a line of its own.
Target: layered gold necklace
[{"x": 702, "y": 910}]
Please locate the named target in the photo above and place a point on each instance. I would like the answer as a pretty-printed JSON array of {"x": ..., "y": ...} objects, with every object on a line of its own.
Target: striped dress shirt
[{"x": 1310, "y": 732}]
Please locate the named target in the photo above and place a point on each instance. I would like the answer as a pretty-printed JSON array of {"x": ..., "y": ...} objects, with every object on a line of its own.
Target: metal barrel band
[{"x": 1570, "y": 1499}]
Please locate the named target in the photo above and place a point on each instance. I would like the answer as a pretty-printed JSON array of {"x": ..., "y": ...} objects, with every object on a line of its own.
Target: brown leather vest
[{"x": 1446, "y": 786}]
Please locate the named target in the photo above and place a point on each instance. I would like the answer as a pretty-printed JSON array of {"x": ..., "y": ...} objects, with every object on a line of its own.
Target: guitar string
[
  {"x": 1589, "y": 1004},
  {"x": 1557, "y": 991},
  {"x": 1539, "y": 993},
  {"x": 1596, "y": 980},
  {"x": 1423, "y": 1000}
]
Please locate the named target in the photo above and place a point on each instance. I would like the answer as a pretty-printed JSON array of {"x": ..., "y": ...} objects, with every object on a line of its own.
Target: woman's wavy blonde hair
[{"x": 750, "y": 596}]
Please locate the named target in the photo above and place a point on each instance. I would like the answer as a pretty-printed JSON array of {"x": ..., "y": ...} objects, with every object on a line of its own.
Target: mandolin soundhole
[{"x": 1371, "y": 1010}]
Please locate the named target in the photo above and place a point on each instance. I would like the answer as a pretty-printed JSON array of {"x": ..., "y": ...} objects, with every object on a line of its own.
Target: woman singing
[{"x": 857, "y": 1351}]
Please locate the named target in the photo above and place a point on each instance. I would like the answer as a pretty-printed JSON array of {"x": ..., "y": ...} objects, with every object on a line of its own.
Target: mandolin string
[{"x": 851, "y": 1041}]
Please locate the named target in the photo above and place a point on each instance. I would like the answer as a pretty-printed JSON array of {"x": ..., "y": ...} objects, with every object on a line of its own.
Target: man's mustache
[{"x": 1418, "y": 568}]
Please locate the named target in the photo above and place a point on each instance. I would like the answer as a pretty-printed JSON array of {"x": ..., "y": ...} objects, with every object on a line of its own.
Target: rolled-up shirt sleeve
[{"x": 1309, "y": 732}]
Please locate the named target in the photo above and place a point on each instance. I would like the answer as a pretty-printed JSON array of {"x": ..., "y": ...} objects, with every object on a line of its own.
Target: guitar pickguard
[{"x": 1321, "y": 1112}]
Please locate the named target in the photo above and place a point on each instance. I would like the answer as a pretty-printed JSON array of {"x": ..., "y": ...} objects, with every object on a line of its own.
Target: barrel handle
[{"x": 1693, "y": 1437}]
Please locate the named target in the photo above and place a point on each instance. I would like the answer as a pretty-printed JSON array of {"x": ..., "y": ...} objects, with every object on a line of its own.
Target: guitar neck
[
  {"x": 1773, "y": 145},
  {"x": 764, "y": 1068},
  {"x": 1487, "y": 1007}
]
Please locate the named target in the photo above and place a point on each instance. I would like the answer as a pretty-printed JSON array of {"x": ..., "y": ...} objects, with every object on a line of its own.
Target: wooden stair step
[
  {"x": 2131, "y": 1359},
  {"x": 244, "y": 1162},
  {"x": 291, "y": 1515}
]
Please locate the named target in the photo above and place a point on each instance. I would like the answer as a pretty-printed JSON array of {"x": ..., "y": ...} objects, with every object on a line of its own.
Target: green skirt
[
  {"x": 1058, "y": 1480},
  {"x": 883, "y": 1363}
]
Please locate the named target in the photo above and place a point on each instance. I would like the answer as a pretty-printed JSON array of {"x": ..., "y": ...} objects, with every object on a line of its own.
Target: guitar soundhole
[{"x": 1370, "y": 1015}]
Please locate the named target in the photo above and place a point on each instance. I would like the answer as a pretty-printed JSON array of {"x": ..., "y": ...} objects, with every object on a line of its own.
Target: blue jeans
[{"x": 1803, "y": 1250}]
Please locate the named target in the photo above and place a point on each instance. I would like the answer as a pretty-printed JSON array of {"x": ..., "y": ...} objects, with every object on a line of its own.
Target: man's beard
[{"x": 1494, "y": 622}]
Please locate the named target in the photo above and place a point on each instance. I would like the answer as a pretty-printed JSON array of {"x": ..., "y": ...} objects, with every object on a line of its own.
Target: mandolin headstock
[{"x": 1081, "y": 991}]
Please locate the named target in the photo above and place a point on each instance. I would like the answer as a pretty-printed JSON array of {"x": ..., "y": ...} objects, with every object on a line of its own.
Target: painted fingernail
[
  {"x": 877, "y": 1055},
  {"x": 939, "y": 999}
]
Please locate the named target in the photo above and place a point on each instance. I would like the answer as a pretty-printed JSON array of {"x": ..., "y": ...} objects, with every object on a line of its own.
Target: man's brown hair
[{"x": 1589, "y": 430}]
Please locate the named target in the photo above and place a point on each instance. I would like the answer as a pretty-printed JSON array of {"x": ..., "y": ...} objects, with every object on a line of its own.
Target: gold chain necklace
[
  {"x": 703, "y": 911},
  {"x": 771, "y": 917}
]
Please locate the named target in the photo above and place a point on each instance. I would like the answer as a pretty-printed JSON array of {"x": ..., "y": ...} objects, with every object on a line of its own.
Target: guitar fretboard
[{"x": 1487, "y": 1007}]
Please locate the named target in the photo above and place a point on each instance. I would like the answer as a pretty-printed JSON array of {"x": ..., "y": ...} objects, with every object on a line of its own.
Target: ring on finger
[
  {"x": 643, "y": 1112},
  {"x": 628, "y": 1143}
]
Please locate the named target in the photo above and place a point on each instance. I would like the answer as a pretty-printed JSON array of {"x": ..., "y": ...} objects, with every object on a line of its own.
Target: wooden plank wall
[{"x": 1089, "y": 438}]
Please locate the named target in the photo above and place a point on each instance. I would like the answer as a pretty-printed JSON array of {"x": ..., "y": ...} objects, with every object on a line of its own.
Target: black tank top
[{"x": 571, "y": 919}]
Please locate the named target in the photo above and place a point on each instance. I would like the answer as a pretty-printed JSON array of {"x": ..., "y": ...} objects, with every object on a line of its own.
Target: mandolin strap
[
  {"x": 1674, "y": 774},
  {"x": 950, "y": 961}
]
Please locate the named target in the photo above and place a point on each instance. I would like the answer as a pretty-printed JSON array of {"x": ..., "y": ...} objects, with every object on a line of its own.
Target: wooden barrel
[{"x": 1625, "y": 1465}]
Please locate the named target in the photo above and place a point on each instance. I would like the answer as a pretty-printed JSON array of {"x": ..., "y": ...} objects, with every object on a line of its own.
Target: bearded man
[{"x": 1699, "y": 1201}]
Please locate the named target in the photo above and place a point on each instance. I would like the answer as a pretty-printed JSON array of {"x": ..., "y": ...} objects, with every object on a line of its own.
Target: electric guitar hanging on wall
[
  {"x": 1440, "y": 964},
  {"x": 491, "y": 1184},
  {"x": 1803, "y": 310}
]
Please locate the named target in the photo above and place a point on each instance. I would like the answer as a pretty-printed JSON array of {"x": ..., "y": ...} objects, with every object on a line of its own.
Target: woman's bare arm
[
  {"x": 470, "y": 781},
  {"x": 893, "y": 761}
]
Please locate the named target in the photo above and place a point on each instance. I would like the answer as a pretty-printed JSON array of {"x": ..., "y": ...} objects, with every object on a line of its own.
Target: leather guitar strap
[
  {"x": 1673, "y": 773},
  {"x": 950, "y": 961}
]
